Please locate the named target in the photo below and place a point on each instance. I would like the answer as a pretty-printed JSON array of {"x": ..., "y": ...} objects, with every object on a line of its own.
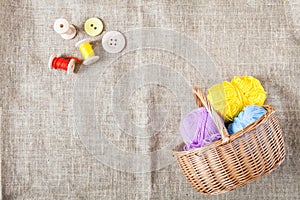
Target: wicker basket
[{"x": 234, "y": 160}]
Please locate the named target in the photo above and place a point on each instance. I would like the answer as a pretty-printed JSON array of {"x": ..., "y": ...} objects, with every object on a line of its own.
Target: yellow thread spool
[{"x": 87, "y": 52}]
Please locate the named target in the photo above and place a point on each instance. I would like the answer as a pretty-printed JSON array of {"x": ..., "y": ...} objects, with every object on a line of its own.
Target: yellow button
[{"x": 93, "y": 26}]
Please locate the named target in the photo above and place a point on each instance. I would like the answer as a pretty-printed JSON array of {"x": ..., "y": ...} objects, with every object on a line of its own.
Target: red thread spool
[{"x": 63, "y": 63}]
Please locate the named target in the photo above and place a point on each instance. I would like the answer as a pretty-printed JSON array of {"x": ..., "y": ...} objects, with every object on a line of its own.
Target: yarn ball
[
  {"x": 226, "y": 99},
  {"x": 252, "y": 91},
  {"x": 245, "y": 118},
  {"x": 229, "y": 98},
  {"x": 198, "y": 129}
]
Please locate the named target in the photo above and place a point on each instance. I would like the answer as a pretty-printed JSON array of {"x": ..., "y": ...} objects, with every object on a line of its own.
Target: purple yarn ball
[{"x": 198, "y": 129}]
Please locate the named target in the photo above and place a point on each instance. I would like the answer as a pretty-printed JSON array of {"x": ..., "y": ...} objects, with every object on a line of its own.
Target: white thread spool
[{"x": 66, "y": 30}]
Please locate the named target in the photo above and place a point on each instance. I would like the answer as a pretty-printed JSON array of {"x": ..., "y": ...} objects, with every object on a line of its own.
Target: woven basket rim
[{"x": 177, "y": 151}]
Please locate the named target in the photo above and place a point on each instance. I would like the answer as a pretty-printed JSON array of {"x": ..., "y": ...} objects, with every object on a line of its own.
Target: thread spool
[
  {"x": 67, "y": 31},
  {"x": 67, "y": 64},
  {"x": 87, "y": 51}
]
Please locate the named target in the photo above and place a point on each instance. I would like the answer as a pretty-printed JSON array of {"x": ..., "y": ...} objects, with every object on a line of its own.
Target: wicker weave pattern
[{"x": 236, "y": 160}]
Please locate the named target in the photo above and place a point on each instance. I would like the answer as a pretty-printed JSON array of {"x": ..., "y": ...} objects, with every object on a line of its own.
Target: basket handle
[{"x": 201, "y": 99}]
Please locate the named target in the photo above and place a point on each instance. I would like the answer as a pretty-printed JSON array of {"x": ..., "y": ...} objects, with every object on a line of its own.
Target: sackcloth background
[{"x": 55, "y": 127}]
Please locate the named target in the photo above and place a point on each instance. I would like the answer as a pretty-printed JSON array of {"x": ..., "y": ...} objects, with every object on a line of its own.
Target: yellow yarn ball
[
  {"x": 230, "y": 98},
  {"x": 226, "y": 99},
  {"x": 252, "y": 91}
]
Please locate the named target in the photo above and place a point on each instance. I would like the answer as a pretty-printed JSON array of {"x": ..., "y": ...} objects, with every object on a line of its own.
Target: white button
[{"x": 113, "y": 42}]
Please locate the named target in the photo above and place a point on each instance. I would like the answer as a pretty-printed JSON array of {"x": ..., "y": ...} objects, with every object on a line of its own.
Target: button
[
  {"x": 113, "y": 42},
  {"x": 93, "y": 26}
]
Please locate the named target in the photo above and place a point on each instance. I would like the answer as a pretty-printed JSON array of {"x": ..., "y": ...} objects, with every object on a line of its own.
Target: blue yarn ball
[{"x": 246, "y": 117}]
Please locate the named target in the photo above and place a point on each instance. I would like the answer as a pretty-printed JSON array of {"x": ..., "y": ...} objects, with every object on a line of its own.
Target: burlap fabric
[{"x": 107, "y": 132}]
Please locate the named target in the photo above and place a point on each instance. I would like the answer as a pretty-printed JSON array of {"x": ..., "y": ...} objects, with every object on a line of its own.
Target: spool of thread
[
  {"x": 67, "y": 31},
  {"x": 87, "y": 52},
  {"x": 245, "y": 118},
  {"x": 63, "y": 63},
  {"x": 198, "y": 129}
]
